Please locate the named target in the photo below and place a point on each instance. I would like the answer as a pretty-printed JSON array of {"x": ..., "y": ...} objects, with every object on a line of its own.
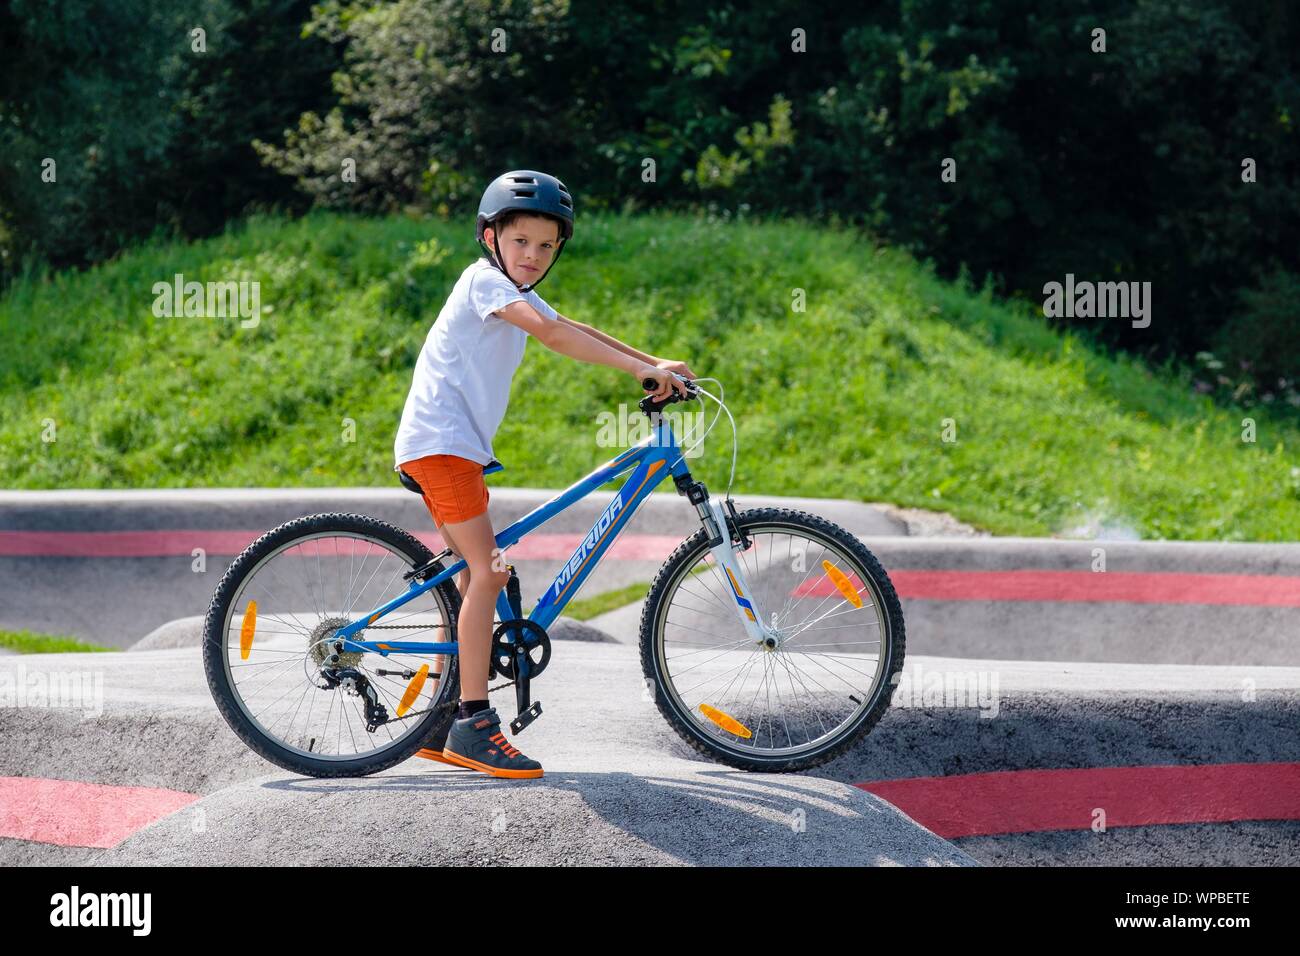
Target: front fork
[{"x": 726, "y": 542}]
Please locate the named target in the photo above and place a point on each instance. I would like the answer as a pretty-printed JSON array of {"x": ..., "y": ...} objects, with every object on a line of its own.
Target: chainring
[{"x": 536, "y": 641}]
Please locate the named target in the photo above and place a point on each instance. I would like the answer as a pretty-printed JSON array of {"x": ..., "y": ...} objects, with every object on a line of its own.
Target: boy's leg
[
  {"x": 462, "y": 585},
  {"x": 477, "y": 742},
  {"x": 475, "y": 541}
]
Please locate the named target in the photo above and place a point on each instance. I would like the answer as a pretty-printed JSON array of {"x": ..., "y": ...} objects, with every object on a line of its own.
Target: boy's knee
[{"x": 489, "y": 574}]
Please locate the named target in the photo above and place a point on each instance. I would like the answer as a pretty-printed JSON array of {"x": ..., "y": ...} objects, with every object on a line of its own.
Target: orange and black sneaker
[
  {"x": 436, "y": 743},
  {"x": 477, "y": 743},
  {"x": 434, "y": 750}
]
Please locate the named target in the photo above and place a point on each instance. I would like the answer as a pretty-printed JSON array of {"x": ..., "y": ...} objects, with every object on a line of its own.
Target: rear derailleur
[{"x": 358, "y": 685}]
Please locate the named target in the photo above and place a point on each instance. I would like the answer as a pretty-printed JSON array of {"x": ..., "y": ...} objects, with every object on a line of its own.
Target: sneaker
[
  {"x": 437, "y": 742},
  {"x": 434, "y": 750},
  {"x": 477, "y": 743}
]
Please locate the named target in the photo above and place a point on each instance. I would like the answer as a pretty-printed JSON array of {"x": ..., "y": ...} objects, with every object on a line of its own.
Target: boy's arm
[
  {"x": 668, "y": 365},
  {"x": 568, "y": 339},
  {"x": 610, "y": 341}
]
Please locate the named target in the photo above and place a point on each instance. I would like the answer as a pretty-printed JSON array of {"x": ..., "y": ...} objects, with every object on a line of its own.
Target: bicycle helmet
[{"x": 525, "y": 190}]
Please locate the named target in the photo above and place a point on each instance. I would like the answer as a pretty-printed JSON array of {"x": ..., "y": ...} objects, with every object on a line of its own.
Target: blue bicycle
[{"x": 772, "y": 638}]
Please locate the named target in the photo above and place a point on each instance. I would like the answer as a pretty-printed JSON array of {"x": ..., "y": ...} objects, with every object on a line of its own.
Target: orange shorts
[{"x": 453, "y": 487}]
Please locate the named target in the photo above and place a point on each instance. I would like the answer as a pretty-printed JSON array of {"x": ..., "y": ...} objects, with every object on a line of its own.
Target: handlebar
[{"x": 649, "y": 405}]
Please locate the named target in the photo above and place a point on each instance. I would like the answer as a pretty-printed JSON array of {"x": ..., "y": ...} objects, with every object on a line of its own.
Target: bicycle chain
[
  {"x": 450, "y": 705},
  {"x": 401, "y": 627},
  {"x": 447, "y": 707}
]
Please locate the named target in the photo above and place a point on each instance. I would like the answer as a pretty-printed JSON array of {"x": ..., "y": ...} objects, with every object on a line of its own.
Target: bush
[
  {"x": 1260, "y": 346},
  {"x": 145, "y": 133}
]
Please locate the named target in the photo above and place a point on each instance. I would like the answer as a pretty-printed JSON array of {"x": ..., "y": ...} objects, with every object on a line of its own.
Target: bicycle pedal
[{"x": 526, "y": 717}]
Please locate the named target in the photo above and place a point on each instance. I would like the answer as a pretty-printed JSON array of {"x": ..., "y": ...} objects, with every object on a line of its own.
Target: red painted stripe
[
  {"x": 1024, "y": 585},
  {"x": 72, "y": 813},
  {"x": 1028, "y": 801},
  {"x": 1153, "y": 587},
  {"x": 159, "y": 544},
  {"x": 121, "y": 544}
]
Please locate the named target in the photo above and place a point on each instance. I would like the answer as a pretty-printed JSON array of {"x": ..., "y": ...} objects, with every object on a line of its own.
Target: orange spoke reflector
[
  {"x": 725, "y": 721},
  {"x": 413, "y": 690},
  {"x": 841, "y": 581},
  {"x": 246, "y": 630}
]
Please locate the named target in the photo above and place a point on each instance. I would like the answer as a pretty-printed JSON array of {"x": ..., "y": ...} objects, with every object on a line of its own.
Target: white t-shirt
[{"x": 461, "y": 384}]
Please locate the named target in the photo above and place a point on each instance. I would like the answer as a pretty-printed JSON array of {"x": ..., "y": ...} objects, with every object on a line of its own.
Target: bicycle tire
[
  {"x": 687, "y": 554},
  {"x": 216, "y": 627}
]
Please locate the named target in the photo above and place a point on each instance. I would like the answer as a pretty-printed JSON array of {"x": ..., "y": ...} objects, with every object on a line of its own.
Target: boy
[{"x": 458, "y": 397}]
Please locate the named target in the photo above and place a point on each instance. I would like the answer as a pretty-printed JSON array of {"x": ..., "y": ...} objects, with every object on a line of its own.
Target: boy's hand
[
  {"x": 663, "y": 378},
  {"x": 681, "y": 368}
]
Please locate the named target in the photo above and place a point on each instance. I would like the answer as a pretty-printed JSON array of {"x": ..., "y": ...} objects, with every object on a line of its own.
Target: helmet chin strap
[{"x": 501, "y": 264}]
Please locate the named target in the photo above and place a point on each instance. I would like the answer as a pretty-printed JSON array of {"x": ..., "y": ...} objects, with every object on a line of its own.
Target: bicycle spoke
[{"x": 701, "y": 650}]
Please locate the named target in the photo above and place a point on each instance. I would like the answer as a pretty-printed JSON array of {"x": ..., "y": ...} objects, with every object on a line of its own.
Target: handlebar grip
[{"x": 650, "y": 385}]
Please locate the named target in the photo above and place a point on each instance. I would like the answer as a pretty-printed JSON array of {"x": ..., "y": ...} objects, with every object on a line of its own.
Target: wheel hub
[{"x": 319, "y": 646}]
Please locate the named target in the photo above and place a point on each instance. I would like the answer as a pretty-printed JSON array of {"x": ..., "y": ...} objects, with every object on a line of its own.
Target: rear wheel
[
  {"x": 266, "y": 643},
  {"x": 839, "y": 644}
]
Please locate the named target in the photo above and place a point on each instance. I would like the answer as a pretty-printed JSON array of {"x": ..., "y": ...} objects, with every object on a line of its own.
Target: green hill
[{"x": 852, "y": 397}]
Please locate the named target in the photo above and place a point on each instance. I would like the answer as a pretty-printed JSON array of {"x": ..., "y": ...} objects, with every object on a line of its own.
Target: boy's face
[{"x": 528, "y": 246}]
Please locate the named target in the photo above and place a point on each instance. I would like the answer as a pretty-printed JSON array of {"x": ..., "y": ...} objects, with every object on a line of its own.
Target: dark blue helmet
[
  {"x": 526, "y": 190},
  {"x": 529, "y": 191}
]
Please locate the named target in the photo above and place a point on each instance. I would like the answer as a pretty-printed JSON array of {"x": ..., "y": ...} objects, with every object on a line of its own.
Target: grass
[
  {"x": 29, "y": 642},
  {"x": 584, "y": 609},
  {"x": 892, "y": 385}
]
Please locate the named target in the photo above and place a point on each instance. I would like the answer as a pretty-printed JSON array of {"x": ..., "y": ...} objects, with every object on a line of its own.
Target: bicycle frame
[{"x": 651, "y": 460}]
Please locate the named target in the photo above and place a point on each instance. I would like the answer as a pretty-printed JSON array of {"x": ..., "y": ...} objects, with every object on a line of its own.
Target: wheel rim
[
  {"x": 304, "y": 589},
  {"x": 802, "y": 696}
]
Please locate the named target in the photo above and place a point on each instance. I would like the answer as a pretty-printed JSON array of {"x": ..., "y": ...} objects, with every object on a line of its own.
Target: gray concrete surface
[
  {"x": 1068, "y": 715},
  {"x": 1060, "y": 714},
  {"x": 1100, "y": 631},
  {"x": 1244, "y": 843},
  {"x": 1078, "y": 685},
  {"x": 1103, "y": 632},
  {"x": 619, "y": 785}
]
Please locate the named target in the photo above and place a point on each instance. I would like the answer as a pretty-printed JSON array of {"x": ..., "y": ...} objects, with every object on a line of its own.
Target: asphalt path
[{"x": 1053, "y": 712}]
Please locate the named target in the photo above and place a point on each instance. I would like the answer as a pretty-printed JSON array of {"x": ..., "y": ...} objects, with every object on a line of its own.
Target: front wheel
[{"x": 838, "y": 635}]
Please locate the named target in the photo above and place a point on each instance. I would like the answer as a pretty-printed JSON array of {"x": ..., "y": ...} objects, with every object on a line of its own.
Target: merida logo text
[{"x": 588, "y": 543}]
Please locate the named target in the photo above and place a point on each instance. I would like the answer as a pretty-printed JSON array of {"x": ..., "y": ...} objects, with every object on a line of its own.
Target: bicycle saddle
[{"x": 410, "y": 484}]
